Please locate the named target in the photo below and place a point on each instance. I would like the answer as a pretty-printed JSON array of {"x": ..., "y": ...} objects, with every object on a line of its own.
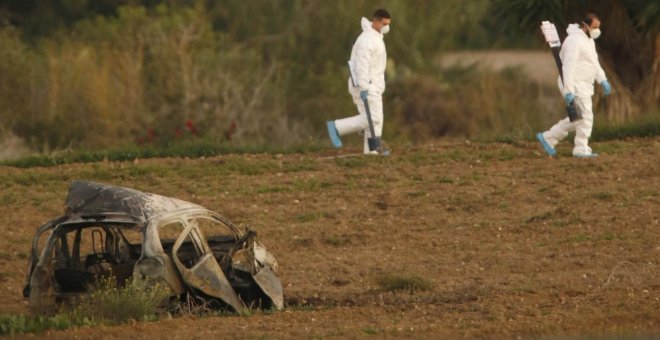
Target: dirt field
[{"x": 514, "y": 243}]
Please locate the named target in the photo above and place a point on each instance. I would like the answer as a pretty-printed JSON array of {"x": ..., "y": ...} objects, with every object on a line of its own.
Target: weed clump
[
  {"x": 403, "y": 282},
  {"x": 112, "y": 303}
]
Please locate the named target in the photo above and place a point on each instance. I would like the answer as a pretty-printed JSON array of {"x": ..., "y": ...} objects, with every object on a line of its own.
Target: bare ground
[{"x": 514, "y": 243}]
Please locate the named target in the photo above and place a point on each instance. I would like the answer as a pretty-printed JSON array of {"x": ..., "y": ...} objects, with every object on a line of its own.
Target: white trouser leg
[
  {"x": 582, "y": 128},
  {"x": 558, "y": 131},
  {"x": 359, "y": 122}
]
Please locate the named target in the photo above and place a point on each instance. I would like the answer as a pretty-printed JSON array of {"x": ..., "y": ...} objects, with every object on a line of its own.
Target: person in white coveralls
[
  {"x": 580, "y": 68},
  {"x": 367, "y": 63}
]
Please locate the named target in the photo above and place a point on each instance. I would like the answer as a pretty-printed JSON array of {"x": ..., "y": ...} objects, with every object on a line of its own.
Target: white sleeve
[
  {"x": 569, "y": 63},
  {"x": 362, "y": 61},
  {"x": 600, "y": 74}
]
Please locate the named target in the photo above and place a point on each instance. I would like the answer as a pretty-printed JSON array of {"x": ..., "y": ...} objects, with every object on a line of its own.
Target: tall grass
[
  {"x": 112, "y": 303},
  {"x": 648, "y": 126},
  {"x": 107, "y": 304}
]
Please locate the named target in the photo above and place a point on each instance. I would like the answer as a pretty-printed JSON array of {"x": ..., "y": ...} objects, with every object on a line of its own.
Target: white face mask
[
  {"x": 386, "y": 29},
  {"x": 594, "y": 33}
]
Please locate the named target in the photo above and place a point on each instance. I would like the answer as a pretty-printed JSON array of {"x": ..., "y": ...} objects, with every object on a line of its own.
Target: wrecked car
[{"x": 146, "y": 239}]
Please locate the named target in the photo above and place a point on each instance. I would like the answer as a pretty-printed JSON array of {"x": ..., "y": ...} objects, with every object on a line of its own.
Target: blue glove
[
  {"x": 364, "y": 94},
  {"x": 606, "y": 87},
  {"x": 569, "y": 98}
]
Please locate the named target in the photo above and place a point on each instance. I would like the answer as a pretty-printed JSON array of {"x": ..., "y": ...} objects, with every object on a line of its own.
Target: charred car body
[{"x": 146, "y": 239}]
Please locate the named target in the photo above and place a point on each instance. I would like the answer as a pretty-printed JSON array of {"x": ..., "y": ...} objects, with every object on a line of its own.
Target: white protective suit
[
  {"x": 580, "y": 68},
  {"x": 368, "y": 61}
]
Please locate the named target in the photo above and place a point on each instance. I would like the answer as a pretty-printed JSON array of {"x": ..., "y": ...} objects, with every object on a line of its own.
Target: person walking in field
[
  {"x": 580, "y": 68},
  {"x": 367, "y": 63}
]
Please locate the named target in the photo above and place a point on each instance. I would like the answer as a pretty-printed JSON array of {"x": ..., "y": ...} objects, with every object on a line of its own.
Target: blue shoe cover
[
  {"x": 334, "y": 136},
  {"x": 549, "y": 149}
]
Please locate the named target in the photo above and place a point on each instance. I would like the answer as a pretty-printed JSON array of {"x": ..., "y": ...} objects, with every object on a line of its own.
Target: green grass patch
[
  {"x": 336, "y": 241},
  {"x": 306, "y": 164},
  {"x": 193, "y": 149},
  {"x": 579, "y": 238},
  {"x": 403, "y": 282},
  {"x": 251, "y": 167},
  {"x": 270, "y": 189},
  {"x": 507, "y": 155},
  {"x": 419, "y": 158},
  {"x": 416, "y": 194},
  {"x": 307, "y": 217},
  {"x": 470, "y": 179},
  {"x": 444, "y": 179},
  {"x": 352, "y": 163},
  {"x": 508, "y": 139},
  {"x": 603, "y": 196},
  {"x": 304, "y": 242},
  {"x": 648, "y": 126},
  {"x": 567, "y": 222},
  {"x": 309, "y": 185},
  {"x": 107, "y": 304},
  {"x": 611, "y": 237},
  {"x": 455, "y": 155},
  {"x": 12, "y": 324},
  {"x": 613, "y": 148},
  {"x": 372, "y": 331},
  {"x": 7, "y": 198}
]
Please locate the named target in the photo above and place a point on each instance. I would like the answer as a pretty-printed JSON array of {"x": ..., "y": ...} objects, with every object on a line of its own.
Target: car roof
[{"x": 90, "y": 198}]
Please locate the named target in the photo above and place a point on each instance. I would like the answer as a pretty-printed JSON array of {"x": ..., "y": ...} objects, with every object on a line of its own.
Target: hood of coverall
[
  {"x": 366, "y": 26},
  {"x": 575, "y": 29}
]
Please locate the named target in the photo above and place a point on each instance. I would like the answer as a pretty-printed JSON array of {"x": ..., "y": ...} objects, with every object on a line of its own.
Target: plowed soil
[{"x": 513, "y": 243}]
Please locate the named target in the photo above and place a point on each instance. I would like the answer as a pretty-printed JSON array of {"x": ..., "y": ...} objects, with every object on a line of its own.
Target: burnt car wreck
[{"x": 145, "y": 239}]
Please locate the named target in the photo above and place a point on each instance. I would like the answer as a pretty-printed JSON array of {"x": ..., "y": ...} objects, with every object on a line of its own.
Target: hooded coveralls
[
  {"x": 368, "y": 61},
  {"x": 580, "y": 69}
]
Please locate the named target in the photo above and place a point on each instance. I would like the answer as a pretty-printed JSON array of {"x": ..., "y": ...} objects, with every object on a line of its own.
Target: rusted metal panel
[{"x": 271, "y": 286}]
